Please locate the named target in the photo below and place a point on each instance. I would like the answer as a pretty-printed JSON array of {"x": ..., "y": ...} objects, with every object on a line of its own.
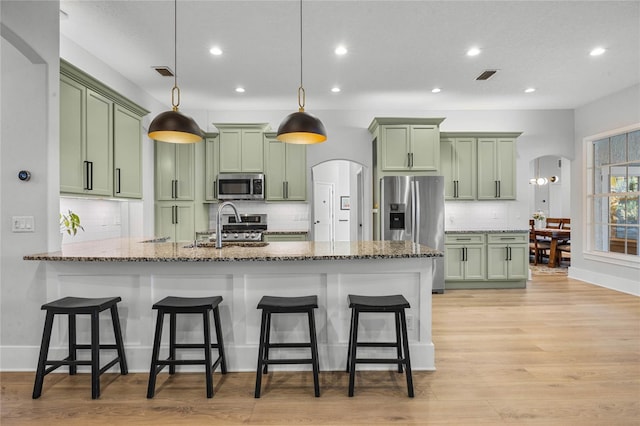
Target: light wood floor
[{"x": 560, "y": 352}]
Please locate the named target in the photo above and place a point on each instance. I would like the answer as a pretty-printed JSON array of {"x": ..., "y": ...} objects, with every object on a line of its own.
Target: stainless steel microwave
[{"x": 240, "y": 186}]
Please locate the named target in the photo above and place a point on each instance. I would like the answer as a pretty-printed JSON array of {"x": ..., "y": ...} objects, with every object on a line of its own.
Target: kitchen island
[{"x": 145, "y": 272}]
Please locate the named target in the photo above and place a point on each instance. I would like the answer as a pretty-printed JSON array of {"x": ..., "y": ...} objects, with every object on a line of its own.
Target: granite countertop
[
  {"x": 134, "y": 250},
  {"x": 487, "y": 231}
]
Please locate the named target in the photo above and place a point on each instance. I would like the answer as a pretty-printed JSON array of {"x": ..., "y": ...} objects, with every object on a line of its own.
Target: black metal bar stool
[
  {"x": 187, "y": 305},
  {"x": 395, "y": 304},
  {"x": 285, "y": 305},
  {"x": 73, "y": 306}
]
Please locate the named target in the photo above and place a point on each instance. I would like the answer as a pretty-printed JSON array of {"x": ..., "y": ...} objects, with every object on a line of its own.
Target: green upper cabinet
[
  {"x": 212, "y": 152},
  {"x": 496, "y": 168},
  {"x": 127, "y": 150},
  {"x": 100, "y": 138},
  {"x": 406, "y": 144},
  {"x": 285, "y": 170},
  {"x": 72, "y": 135},
  {"x": 241, "y": 148},
  {"x": 175, "y": 171},
  {"x": 458, "y": 165}
]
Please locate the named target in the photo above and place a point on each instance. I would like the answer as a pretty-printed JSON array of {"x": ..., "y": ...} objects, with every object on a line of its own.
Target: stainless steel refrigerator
[{"x": 412, "y": 209}]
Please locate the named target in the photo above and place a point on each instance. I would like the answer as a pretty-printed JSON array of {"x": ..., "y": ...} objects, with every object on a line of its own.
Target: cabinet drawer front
[
  {"x": 464, "y": 238},
  {"x": 507, "y": 238}
]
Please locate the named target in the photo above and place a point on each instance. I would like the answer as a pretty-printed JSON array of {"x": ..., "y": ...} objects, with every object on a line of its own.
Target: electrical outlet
[
  {"x": 22, "y": 224},
  {"x": 410, "y": 322}
]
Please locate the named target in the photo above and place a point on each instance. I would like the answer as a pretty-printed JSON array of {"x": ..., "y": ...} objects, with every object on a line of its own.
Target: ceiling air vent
[
  {"x": 164, "y": 71},
  {"x": 486, "y": 74}
]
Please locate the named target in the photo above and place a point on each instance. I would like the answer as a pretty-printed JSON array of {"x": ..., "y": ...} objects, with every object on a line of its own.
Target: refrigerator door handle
[{"x": 416, "y": 211}]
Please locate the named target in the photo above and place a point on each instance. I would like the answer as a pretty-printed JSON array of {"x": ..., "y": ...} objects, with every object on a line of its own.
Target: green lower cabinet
[
  {"x": 284, "y": 237},
  {"x": 176, "y": 221},
  {"x": 478, "y": 260}
]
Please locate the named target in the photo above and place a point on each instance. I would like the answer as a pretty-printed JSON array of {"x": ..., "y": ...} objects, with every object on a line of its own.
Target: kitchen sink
[{"x": 231, "y": 244}]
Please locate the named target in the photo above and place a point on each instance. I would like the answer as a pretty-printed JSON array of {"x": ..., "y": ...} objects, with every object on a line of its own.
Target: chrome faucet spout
[{"x": 219, "y": 221}]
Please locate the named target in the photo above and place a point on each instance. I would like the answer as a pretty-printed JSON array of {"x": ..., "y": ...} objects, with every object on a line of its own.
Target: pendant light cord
[
  {"x": 175, "y": 91},
  {"x": 301, "y": 93}
]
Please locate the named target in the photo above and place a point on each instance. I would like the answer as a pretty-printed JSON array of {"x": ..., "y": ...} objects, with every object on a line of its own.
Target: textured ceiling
[{"x": 398, "y": 51}]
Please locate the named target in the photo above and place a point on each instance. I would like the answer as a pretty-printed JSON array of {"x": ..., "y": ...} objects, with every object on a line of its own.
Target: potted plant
[{"x": 70, "y": 223}]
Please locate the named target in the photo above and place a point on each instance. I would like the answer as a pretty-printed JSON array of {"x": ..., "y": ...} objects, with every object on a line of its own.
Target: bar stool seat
[
  {"x": 395, "y": 304},
  {"x": 282, "y": 305},
  {"x": 187, "y": 305},
  {"x": 73, "y": 306}
]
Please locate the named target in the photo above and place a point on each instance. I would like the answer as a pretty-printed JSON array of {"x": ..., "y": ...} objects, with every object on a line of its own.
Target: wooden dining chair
[
  {"x": 554, "y": 222},
  {"x": 537, "y": 247}
]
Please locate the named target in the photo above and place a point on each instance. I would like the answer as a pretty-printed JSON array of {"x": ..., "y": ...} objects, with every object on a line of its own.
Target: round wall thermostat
[{"x": 24, "y": 175}]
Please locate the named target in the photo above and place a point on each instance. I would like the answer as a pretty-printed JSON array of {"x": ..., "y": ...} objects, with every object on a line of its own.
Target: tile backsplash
[{"x": 460, "y": 215}]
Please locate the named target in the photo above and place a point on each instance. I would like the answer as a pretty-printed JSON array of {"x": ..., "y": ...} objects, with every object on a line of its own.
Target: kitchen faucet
[{"x": 219, "y": 221}]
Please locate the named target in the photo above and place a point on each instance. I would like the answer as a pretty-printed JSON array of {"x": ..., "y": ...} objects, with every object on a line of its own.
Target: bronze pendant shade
[
  {"x": 172, "y": 126},
  {"x": 175, "y": 127},
  {"x": 301, "y": 127}
]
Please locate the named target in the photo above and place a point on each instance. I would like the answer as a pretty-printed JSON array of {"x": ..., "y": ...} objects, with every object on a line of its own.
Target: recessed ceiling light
[
  {"x": 597, "y": 51},
  {"x": 240, "y": 89},
  {"x": 436, "y": 90},
  {"x": 335, "y": 89},
  {"x": 529, "y": 90},
  {"x": 215, "y": 51},
  {"x": 474, "y": 51},
  {"x": 341, "y": 50}
]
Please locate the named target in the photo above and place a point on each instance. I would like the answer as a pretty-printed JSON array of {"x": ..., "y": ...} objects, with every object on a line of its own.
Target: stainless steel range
[{"x": 250, "y": 229}]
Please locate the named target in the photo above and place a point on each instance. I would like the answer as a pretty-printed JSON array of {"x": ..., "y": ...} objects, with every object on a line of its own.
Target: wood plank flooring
[{"x": 560, "y": 352}]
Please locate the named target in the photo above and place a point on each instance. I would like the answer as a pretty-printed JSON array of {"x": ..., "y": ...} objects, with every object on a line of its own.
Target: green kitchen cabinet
[
  {"x": 410, "y": 148},
  {"x": 496, "y": 169},
  {"x": 241, "y": 148},
  {"x": 86, "y": 140},
  {"x": 175, "y": 220},
  {"x": 465, "y": 257},
  {"x": 507, "y": 256},
  {"x": 295, "y": 236},
  {"x": 175, "y": 171},
  {"x": 458, "y": 165},
  {"x": 212, "y": 153},
  {"x": 285, "y": 170},
  {"x": 127, "y": 153},
  {"x": 100, "y": 138}
]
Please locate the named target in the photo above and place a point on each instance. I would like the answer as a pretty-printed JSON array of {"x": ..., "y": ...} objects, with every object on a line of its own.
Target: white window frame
[{"x": 631, "y": 261}]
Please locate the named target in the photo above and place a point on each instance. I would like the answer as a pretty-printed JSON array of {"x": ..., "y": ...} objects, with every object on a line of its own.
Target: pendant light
[
  {"x": 301, "y": 127},
  {"x": 172, "y": 126}
]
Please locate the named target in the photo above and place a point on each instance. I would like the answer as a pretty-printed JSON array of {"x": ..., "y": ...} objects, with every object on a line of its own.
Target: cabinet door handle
[
  {"x": 506, "y": 253},
  {"x": 86, "y": 174},
  {"x": 509, "y": 253},
  {"x": 463, "y": 239},
  {"x": 90, "y": 176},
  {"x": 177, "y": 218},
  {"x": 215, "y": 189},
  {"x": 287, "y": 182},
  {"x": 408, "y": 159},
  {"x": 174, "y": 188},
  {"x": 455, "y": 189},
  {"x": 499, "y": 190},
  {"x": 412, "y": 159},
  {"x": 117, "y": 180},
  {"x": 495, "y": 184}
]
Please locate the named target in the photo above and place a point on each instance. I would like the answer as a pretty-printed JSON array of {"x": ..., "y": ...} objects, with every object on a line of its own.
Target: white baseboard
[{"x": 605, "y": 280}]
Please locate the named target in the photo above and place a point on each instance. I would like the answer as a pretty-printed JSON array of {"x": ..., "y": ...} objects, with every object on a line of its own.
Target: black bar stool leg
[
  {"x": 172, "y": 341},
  {"x": 44, "y": 351},
  {"x": 95, "y": 355},
  {"x": 73, "y": 369},
  {"x": 354, "y": 347},
  {"x": 350, "y": 342},
  {"x": 207, "y": 353},
  {"x": 398, "y": 340},
  {"x": 267, "y": 339},
  {"x": 117, "y": 332},
  {"x": 153, "y": 371},
  {"x": 314, "y": 353},
  {"x": 405, "y": 341},
  {"x": 261, "y": 348},
  {"x": 218, "y": 327}
]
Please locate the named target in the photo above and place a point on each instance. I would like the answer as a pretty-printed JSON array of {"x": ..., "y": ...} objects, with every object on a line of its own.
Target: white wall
[
  {"x": 29, "y": 133},
  {"x": 612, "y": 112}
]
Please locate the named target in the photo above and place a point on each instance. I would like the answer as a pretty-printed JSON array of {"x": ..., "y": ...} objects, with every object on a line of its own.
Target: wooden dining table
[{"x": 555, "y": 235}]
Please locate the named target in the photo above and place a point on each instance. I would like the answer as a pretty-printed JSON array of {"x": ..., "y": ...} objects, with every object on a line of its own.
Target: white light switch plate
[{"x": 22, "y": 224}]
